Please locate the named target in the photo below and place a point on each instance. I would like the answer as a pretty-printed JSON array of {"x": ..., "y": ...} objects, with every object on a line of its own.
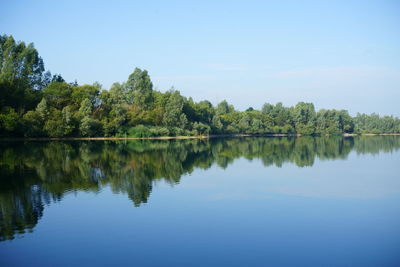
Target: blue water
[{"x": 337, "y": 212}]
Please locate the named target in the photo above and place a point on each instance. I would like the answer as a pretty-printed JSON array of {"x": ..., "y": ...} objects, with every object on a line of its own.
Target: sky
[{"x": 336, "y": 54}]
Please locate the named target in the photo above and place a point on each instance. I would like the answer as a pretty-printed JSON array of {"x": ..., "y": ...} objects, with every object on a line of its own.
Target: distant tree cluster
[{"x": 34, "y": 103}]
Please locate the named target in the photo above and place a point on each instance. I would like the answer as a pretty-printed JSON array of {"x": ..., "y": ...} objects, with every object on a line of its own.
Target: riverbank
[
  {"x": 372, "y": 134},
  {"x": 175, "y": 137},
  {"x": 143, "y": 138}
]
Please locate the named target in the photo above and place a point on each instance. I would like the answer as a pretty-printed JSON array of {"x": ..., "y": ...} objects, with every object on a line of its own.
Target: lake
[{"x": 256, "y": 201}]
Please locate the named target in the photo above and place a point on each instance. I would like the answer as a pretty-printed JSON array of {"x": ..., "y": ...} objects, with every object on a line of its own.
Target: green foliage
[
  {"x": 21, "y": 74},
  {"x": 34, "y": 103},
  {"x": 42, "y": 109},
  {"x": 54, "y": 126},
  {"x": 217, "y": 126},
  {"x": 203, "y": 112},
  {"x": 201, "y": 128},
  {"x": 376, "y": 124},
  {"x": 140, "y": 89},
  {"x": 224, "y": 108},
  {"x": 58, "y": 94},
  {"x": 304, "y": 118},
  {"x": 280, "y": 118},
  {"x": 85, "y": 109},
  {"x": 139, "y": 131},
  {"x": 33, "y": 124},
  {"x": 90, "y": 127},
  {"x": 159, "y": 131},
  {"x": 90, "y": 92},
  {"x": 173, "y": 115},
  {"x": 334, "y": 122},
  {"x": 9, "y": 119}
]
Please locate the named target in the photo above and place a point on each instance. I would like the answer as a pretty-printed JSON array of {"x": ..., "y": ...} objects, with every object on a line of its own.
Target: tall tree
[
  {"x": 173, "y": 110},
  {"x": 21, "y": 74},
  {"x": 140, "y": 89},
  {"x": 304, "y": 117}
]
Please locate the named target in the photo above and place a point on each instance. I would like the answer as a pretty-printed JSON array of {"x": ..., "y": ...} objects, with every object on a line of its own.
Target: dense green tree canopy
[
  {"x": 35, "y": 104},
  {"x": 21, "y": 73}
]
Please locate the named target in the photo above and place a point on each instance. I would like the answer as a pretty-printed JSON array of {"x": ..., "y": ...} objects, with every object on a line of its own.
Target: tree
[
  {"x": 56, "y": 125},
  {"x": 140, "y": 89},
  {"x": 88, "y": 126},
  {"x": 34, "y": 120},
  {"x": 57, "y": 78},
  {"x": 90, "y": 92},
  {"x": 244, "y": 123},
  {"x": 58, "y": 94},
  {"x": 33, "y": 124},
  {"x": 304, "y": 118},
  {"x": 203, "y": 111},
  {"x": 43, "y": 110},
  {"x": 21, "y": 74},
  {"x": 224, "y": 108},
  {"x": 267, "y": 108},
  {"x": 201, "y": 128},
  {"x": 35, "y": 103},
  {"x": 85, "y": 109},
  {"x": 173, "y": 110},
  {"x": 9, "y": 119},
  {"x": 217, "y": 126}
]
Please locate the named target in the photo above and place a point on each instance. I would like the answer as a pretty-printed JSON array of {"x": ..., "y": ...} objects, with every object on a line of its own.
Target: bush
[
  {"x": 90, "y": 127},
  {"x": 287, "y": 129},
  {"x": 201, "y": 128},
  {"x": 159, "y": 131},
  {"x": 156, "y": 131},
  {"x": 8, "y": 120},
  {"x": 139, "y": 131},
  {"x": 175, "y": 131}
]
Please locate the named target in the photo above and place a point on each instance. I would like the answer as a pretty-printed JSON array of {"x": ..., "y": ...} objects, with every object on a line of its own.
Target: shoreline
[{"x": 177, "y": 137}]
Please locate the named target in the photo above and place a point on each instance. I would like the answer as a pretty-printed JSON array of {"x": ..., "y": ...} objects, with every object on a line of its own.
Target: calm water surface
[{"x": 326, "y": 201}]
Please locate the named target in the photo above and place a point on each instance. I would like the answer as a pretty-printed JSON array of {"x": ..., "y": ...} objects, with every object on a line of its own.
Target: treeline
[{"x": 35, "y": 103}]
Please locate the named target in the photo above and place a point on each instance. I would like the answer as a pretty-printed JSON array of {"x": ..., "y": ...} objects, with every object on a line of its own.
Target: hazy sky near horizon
[{"x": 336, "y": 54}]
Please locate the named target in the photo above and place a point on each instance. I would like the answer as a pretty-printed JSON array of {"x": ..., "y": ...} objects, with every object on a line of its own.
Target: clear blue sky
[{"x": 336, "y": 54}]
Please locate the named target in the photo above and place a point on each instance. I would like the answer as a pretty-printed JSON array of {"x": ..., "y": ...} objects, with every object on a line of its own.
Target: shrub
[
  {"x": 201, "y": 128},
  {"x": 159, "y": 131},
  {"x": 139, "y": 131}
]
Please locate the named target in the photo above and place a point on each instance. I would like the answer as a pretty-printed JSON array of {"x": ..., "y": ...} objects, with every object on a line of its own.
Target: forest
[{"x": 35, "y": 103}]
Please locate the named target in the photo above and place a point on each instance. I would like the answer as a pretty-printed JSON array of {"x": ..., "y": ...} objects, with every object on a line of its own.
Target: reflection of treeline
[
  {"x": 22, "y": 197},
  {"x": 33, "y": 103},
  {"x": 36, "y": 173}
]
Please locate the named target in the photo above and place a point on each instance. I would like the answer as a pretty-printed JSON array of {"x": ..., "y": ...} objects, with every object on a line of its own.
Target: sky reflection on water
[{"x": 226, "y": 202}]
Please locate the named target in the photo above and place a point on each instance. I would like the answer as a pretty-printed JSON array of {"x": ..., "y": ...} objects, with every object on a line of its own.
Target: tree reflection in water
[{"x": 34, "y": 174}]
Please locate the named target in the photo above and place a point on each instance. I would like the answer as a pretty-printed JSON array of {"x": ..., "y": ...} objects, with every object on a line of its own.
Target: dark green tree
[{"x": 140, "y": 89}]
